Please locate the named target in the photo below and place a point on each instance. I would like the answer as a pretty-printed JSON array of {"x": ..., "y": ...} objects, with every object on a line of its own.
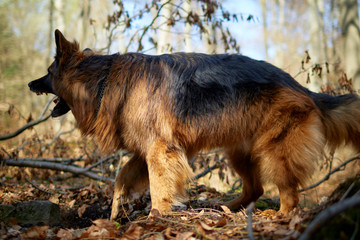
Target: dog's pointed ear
[
  {"x": 63, "y": 46},
  {"x": 61, "y": 43}
]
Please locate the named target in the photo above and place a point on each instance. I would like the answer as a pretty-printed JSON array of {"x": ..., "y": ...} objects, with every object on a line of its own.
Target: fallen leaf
[
  {"x": 225, "y": 209},
  {"x": 72, "y": 203},
  {"x": 35, "y": 232},
  {"x": 55, "y": 198},
  {"x": 154, "y": 226},
  {"x": 64, "y": 234},
  {"x": 169, "y": 233},
  {"x": 222, "y": 222},
  {"x": 203, "y": 228},
  {"x": 155, "y": 236},
  {"x": 269, "y": 228},
  {"x": 82, "y": 209},
  {"x": 134, "y": 232},
  {"x": 283, "y": 232},
  {"x": 101, "y": 229},
  {"x": 295, "y": 220},
  {"x": 268, "y": 213},
  {"x": 184, "y": 236}
]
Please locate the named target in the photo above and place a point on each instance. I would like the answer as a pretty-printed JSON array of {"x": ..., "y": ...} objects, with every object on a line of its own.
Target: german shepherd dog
[{"x": 164, "y": 109}]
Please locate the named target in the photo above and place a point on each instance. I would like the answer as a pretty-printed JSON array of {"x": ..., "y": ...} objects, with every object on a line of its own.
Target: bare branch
[
  {"x": 41, "y": 119},
  {"x": 329, "y": 213},
  {"x": 339, "y": 168},
  {"x": 249, "y": 210},
  {"x": 56, "y": 166},
  {"x": 147, "y": 27},
  {"x": 23, "y": 128},
  {"x": 56, "y": 138},
  {"x": 100, "y": 162},
  {"x": 215, "y": 166}
]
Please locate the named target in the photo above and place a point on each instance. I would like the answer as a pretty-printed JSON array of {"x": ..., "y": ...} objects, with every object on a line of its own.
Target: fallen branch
[
  {"x": 329, "y": 213},
  {"x": 41, "y": 119},
  {"x": 327, "y": 176},
  {"x": 56, "y": 166}
]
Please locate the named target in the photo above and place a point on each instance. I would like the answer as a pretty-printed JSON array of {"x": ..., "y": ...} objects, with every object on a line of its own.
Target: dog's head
[{"x": 50, "y": 82}]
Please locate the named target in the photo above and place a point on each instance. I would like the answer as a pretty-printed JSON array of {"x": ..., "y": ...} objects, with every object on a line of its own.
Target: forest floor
[{"x": 85, "y": 207}]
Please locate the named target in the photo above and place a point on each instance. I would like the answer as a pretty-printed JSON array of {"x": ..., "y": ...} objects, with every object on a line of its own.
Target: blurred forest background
[{"x": 316, "y": 41}]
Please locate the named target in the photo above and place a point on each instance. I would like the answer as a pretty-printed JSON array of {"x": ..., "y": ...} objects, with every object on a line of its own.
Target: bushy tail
[{"x": 341, "y": 119}]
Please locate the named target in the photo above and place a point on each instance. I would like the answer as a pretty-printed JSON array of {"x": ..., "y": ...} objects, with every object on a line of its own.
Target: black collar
[{"x": 100, "y": 94}]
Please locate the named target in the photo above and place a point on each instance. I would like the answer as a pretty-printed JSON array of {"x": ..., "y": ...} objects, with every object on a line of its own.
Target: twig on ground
[
  {"x": 38, "y": 188},
  {"x": 327, "y": 176},
  {"x": 329, "y": 213}
]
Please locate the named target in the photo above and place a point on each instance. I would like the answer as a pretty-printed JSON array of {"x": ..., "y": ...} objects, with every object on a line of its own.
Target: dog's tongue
[{"x": 60, "y": 109}]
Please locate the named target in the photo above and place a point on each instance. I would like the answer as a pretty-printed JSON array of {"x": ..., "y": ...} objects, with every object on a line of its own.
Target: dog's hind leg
[
  {"x": 248, "y": 170},
  {"x": 133, "y": 177},
  {"x": 288, "y": 152},
  {"x": 168, "y": 172}
]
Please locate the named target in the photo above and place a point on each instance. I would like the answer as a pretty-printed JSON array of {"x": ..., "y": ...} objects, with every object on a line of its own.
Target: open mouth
[
  {"x": 41, "y": 93},
  {"x": 60, "y": 108},
  {"x": 42, "y": 86}
]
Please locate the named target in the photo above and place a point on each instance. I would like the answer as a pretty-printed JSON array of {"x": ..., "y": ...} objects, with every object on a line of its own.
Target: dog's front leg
[
  {"x": 133, "y": 177},
  {"x": 168, "y": 172}
]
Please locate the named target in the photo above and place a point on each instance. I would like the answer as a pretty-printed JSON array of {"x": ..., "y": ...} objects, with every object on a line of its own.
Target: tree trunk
[
  {"x": 315, "y": 45},
  {"x": 278, "y": 22},
  {"x": 265, "y": 28},
  {"x": 188, "y": 46},
  {"x": 59, "y": 17},
  {"x": 51, "y": 33},
  {"x": 349, "y": 23},
  {"x": 209, "y": 38},
  {"x": 164, "y": 35},
  {"x": 85, "y": 17}
]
